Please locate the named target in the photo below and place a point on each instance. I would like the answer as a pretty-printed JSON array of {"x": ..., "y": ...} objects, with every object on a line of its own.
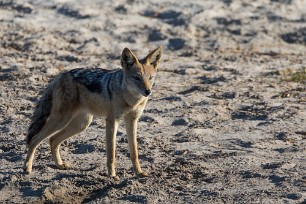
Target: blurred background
[{"x": 225, "y": 123}]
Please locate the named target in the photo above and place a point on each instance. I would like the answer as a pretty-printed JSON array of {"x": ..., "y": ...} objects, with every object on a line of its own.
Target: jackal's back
[{"x": 96, "y": 80}]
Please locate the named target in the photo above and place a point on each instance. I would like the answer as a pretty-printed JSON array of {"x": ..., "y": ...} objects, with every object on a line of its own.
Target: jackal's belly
[
  {"x": 97, "y": 105},
  {"x": 100, "y": 106}
]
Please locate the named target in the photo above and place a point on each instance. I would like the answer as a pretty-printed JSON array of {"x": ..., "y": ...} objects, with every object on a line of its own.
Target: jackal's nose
[{"x": 147, "y": 92}]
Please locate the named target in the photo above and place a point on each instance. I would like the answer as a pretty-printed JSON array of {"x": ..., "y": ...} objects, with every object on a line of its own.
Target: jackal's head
[{"x": 140, "y": 74}]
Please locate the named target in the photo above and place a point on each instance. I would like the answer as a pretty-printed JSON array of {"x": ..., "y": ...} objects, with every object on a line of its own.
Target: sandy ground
[{"x": 222, "y": 126}]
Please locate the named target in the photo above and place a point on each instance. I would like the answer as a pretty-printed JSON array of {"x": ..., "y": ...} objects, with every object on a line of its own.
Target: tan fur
[{"x": 72, "y": 106}]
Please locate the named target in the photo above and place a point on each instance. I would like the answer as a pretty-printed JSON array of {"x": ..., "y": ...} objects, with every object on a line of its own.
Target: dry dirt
[{"x": 225, "y": 124}]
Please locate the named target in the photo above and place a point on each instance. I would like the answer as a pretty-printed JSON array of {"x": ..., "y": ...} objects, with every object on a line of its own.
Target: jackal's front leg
[
  {"x": 131, "y": 129},
  {"x": 111, "y": 131}
]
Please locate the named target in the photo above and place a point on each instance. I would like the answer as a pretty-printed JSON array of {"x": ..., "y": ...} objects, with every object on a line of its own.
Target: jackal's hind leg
[
  {"x": 54, "y": 123},
  {"x": 79, "y": 123}
]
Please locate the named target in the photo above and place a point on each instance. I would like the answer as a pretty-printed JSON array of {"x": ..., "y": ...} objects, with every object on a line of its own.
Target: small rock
[
  {"x": 294, "y": 196},
  {"x": 176, "y": 43},
  {"x": 14, "y": 178},
  {"x": 274, "y": 165},
  {"x": 180, "y": 121},
  {"x": 156, "y": 35},
  {"x": 281, "y": 136}
]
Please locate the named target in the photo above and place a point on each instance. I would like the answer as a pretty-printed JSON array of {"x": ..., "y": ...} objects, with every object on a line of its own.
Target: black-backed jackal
[{"x": 70, "y": 101}]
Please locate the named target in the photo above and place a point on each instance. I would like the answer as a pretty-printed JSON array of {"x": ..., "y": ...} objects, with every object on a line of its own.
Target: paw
[
  {"x": 141, "y": 174},
  {"x": 27, "y": 168},
  {"x": 64, "y": 166},
  {"x": 115, "y": 178}
]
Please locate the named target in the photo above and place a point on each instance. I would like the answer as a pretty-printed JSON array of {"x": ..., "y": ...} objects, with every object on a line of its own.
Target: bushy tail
[{"x": 41, "y": 113}]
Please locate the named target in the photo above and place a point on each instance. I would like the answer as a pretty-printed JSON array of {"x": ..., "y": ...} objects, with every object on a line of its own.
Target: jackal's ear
[
  {"x": 154, "y": 57},
  {"x": 127, "y": 58}
]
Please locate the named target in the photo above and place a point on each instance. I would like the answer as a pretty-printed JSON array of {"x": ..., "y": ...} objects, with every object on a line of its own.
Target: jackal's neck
[{"x": 131, "y": 97}]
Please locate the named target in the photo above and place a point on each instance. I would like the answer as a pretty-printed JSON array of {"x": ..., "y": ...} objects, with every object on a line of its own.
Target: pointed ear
[
  {"x": 154, "y": 57},
  {"x": 127, "y": 58}
]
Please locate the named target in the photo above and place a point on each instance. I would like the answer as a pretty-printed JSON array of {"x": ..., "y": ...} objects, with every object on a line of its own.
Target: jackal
[{"x": 70, "y": 101}]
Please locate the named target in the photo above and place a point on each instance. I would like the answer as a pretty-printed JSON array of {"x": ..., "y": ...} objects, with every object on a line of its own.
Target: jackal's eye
[
  {"x": 136, "y": 78},
  {"x": 151, "y": 77}
]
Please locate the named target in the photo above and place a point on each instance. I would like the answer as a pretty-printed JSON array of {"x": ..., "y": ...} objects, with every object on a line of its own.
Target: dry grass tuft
[{"x": 294, "y": 75}]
